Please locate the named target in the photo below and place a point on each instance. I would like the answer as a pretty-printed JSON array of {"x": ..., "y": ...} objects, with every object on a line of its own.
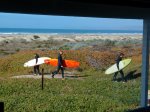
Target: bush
[
  {"x": 17, "y": 50},
  {"x": 36, "y": 36},
  {"x": 65, "y": 47},
  {"x": 109, "y": 42}
]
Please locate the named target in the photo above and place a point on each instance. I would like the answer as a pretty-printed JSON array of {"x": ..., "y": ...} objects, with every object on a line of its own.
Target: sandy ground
[
  {"x": 13, "y": 43},
  {"x": 70, "y": 38}
]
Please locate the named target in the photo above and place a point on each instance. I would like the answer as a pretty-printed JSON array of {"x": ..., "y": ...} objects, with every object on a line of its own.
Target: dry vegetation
[{"x": 89, "y": 59}]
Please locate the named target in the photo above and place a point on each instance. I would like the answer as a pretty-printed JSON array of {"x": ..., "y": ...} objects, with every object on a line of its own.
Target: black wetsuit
[
  {"x": 37, "y": 67},
  {"x": 59, "y": 67},
  {"x": 121, "y": 71}
]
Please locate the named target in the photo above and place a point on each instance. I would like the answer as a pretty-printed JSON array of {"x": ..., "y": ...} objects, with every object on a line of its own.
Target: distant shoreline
[
  {"x": 19, "y": 33},
  {"x": 65, "y": 31}
]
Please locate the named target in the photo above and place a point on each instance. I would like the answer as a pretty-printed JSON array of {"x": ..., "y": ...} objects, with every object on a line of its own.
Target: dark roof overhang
[{"x": 135, "y": 9}]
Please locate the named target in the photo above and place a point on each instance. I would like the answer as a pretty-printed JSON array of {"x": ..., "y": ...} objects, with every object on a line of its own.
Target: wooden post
[
  {"x": 145, "y": 63},
  {"x": 1, "y": 106},
  {"x": 42, "y": 78}
]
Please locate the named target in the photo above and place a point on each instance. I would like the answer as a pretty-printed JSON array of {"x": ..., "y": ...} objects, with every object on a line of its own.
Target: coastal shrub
[
  {"x": 24, "y": 41},
  {"x": 39, "y": 46},
  {"x": 6, "y": 41},
  {"x": 100, "y": 48},
  {"x": 79, "y": 45},
  {"x": 50, "y": 44},
  {"x": 108, "y": 42},
  {"x": 132, "y": 43},
  {"x": 36, "y": 36},
  {"x": 93, "y": 62},
  {"x": 65, "y": 47},
  {"x": 17, "y": 50},
  {"x": 3, "y": 52}
]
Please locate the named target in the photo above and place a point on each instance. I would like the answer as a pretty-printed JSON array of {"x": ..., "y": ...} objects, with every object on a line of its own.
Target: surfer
[
  {"x": 119, "y": 58},
  {"x": 60, "y": 65},
  {"x": 36, "y": 67}
]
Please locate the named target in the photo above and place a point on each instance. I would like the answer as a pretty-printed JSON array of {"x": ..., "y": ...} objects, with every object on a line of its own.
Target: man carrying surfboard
[
  {"x": 36, "y": 67},
  {"x": 60, "y": 65},
  {"x": 119, "y": 58}
]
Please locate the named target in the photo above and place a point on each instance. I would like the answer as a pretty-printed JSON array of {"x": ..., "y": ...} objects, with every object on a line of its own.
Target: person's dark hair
[
  {"x": 121, "y": 54},
  {"x": 36, "y": 54}
]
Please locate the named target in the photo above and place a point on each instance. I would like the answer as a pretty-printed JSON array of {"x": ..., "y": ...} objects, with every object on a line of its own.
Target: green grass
[{"x": 94, "y": 93}]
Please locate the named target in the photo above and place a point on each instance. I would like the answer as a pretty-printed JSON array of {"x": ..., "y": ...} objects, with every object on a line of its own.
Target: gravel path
[{"x": 58, "y": 76}]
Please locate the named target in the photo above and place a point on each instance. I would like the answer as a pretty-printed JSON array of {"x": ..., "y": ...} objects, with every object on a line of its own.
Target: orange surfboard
[{"x": 66, "y": 63}]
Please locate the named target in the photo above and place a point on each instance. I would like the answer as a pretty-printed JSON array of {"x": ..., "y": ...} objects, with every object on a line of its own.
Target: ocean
[{"x": 64, "y": 31}]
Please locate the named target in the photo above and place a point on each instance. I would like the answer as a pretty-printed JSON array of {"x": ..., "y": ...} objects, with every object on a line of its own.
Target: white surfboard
[
  {"x": 33, "y": 62},
  {"x": 122, "y": 64}
]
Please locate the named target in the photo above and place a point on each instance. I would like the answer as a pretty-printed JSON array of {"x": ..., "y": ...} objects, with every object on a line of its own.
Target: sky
[{"x": 8, "y": 20}]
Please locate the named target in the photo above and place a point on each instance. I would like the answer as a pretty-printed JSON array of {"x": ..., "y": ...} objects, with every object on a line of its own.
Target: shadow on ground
[
  {"x": 131, "y": 76},
  {"x": 76, "y": 76},
  {"x": 71, "y": 76}
]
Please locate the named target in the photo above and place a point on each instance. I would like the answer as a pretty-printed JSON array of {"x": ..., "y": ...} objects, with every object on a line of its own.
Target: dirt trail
[{"x": 58, "y": 76}]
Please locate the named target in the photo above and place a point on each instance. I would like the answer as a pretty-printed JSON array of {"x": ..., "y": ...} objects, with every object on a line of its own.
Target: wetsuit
[
  {"x": 37, "y": 67},
  {"x": 59, "y": 67},
  {"x": 121, "y": 71}
]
